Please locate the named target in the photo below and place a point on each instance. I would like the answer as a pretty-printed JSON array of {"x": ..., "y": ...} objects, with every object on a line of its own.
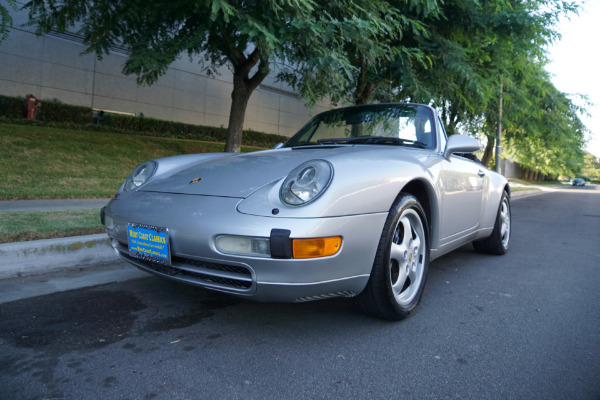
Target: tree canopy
[
  {"x": 591, "y": 169},
  {"x": 5, "y": 18},
  {"x": 247, "y": 36},
  {"x": 457, "y": 55},
  {"x": 452, "y": 54},
  {"x": 371, "y": 36},
  {"x": 244, "y": 35}
]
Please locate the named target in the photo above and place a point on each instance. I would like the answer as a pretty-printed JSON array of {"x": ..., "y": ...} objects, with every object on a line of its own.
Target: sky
[{"x": 575, "y": 64}]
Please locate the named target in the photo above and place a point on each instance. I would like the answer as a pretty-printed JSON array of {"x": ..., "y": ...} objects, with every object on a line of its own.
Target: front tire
[
  {"x": 401, "y": 263},
  {"x": 498, "y": 242}
]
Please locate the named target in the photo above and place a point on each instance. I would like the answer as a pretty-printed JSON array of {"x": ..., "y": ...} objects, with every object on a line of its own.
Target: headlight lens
[
  {"x": 306, "y": 182},
  {"x": 139, "y": 176}
]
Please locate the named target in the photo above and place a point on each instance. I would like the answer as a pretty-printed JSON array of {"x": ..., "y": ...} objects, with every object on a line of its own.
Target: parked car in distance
[
  {"x": 578, "y": 182},
  {"x": 356, "y": 204}
]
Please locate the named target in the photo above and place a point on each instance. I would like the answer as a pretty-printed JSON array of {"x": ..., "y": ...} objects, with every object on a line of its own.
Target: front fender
[{"x": 358, "y": 187}]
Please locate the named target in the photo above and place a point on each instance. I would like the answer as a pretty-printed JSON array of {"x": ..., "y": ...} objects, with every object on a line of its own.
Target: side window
[
  {"x": 417, "y": 127},
  {"x": 443, "y": 137}
]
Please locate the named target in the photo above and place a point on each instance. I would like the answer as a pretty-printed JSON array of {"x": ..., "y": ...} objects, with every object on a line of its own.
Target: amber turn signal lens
[{"x": 316, "y": 247}]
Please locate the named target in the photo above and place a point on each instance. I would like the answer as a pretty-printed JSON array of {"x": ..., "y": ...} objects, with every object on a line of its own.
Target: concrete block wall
[
  {"x": 511, "y": 169},
  {"x": 52, "y": 67}
]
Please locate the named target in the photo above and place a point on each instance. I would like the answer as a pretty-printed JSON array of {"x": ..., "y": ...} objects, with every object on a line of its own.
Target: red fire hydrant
[{"x": 31, "y": 105}]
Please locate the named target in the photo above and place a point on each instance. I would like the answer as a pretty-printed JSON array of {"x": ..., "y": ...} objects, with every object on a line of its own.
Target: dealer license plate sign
[{"x": 149, "y": 243}]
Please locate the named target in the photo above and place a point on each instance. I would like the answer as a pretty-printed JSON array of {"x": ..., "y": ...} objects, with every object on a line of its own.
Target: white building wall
[{"x": 51, "y": 67}]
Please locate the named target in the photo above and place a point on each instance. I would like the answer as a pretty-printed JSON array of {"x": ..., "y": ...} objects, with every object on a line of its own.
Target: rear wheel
[
  {"x": 401, "y": 264},
  {"x": 498, "y": 242}
]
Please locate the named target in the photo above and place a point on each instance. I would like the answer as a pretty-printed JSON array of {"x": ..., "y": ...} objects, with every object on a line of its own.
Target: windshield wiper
[{"x": 374, "y": 140}]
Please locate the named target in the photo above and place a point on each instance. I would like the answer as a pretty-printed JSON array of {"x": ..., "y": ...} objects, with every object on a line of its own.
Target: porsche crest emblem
[{"x": 195, "y": 180}]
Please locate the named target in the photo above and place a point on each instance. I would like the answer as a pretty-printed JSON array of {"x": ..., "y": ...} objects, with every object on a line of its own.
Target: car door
[{"x": 462, "y": 184}]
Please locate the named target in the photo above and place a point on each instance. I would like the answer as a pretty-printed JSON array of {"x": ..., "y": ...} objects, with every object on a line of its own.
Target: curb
[{"x": 49, "y": 255}]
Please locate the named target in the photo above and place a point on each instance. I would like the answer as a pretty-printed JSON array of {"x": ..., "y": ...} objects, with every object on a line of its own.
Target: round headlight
[
  {"x": 306, "y": 182},
  {"x": 139, "y": 175}
]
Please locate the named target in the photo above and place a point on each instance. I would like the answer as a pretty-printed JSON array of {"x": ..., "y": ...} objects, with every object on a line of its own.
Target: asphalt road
[{"x": 522, "y": 326}]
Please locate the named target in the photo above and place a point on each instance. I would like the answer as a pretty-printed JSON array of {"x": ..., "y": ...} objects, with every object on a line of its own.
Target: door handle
[{"x": 481, "y": 173}]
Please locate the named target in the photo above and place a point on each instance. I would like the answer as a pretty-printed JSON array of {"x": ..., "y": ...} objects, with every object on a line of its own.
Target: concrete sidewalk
[{"x": 52, "y": 205}]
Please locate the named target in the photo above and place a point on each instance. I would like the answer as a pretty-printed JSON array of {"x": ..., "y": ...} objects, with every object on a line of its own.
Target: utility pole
[{"x": 499, "y": 134}]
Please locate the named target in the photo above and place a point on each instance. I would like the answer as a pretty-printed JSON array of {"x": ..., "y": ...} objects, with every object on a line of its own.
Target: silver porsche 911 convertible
[{"x": 356, "y": 204}]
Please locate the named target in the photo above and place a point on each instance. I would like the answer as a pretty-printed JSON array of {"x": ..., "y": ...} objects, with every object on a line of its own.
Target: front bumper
[{"x": 194, "y": 222}]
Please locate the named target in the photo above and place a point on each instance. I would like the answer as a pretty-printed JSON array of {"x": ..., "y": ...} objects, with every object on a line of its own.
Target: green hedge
[
  {"x": 12, "y": 107},
  {"x": 49, "y": 111},
  {"x": 53, "y": 111},
  {"x": 160, "y": 128},
  {"x": 65, "y": 116}
]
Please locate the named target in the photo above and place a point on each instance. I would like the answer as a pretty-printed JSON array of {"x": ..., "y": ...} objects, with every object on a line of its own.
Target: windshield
[{"x": 392, "y": 124}]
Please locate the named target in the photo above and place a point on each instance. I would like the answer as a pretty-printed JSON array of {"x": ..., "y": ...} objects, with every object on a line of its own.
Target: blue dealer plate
[{"x": 149, "y": 243}]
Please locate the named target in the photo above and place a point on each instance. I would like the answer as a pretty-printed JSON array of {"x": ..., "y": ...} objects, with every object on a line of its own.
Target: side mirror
[
  {"x": 278, "y": 146},
  {"x": 461, "y": 144}
]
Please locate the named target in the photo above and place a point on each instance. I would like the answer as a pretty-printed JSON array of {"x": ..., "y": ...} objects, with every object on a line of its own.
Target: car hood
[{"x": 236, "y": 175}]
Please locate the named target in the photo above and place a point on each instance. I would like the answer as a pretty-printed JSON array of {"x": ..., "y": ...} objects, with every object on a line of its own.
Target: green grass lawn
[
  {"x": 19, "y": 226},
  {"x": 535, "y": 183},
  {"x": 523, "y": 189},
  {"x": 50, "y": 163},
  {"x": 53, "y": 163}
]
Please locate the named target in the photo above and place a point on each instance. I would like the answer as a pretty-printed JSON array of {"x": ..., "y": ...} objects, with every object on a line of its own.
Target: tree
[
  {"x": 591, "y": 169},
  {"x": 247, "y": 36},
  {"x": 454, "y": 81},
  {"x": 493, "y": 44},
  {"x": 541, "y": 126},
  {"x": 370, "y": 35},
  {"x": 474, "y": 48},
  {"x": 6, "y": 19},
  {"x": 456, "y": 54},
  {"x": 548, "y": 138}
]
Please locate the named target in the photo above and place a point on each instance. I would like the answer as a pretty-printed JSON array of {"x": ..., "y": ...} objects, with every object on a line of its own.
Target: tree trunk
[
  {"x": 452, "y": 122},
  {"x": 237, "y": 114},
  {"x": 488, "y": 153},
  {"x": 364, "y": 88},
  {"x": 363, "y": 96},
  {"x": 243, "y": 86}
]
